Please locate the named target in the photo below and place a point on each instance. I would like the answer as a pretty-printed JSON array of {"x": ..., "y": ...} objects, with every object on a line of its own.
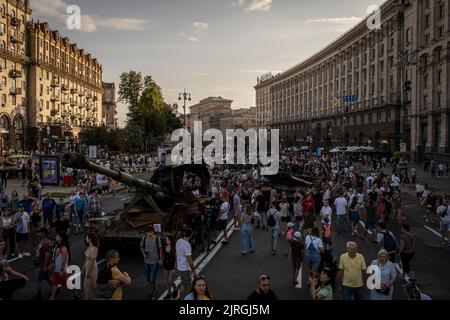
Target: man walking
[
  {"x": 151, "y": 249},
  {"x": 352, "y": 273},
  {"x": 185, "y": 264},
  {"x": 341, "y": 206}
]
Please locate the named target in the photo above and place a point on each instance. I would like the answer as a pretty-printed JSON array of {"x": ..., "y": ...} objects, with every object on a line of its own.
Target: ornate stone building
[
  {"x": 109, "y": 112},
  {"x": 243, "y": 118},
  {"x": 380, "y": 87},
  {"x": 209, "y": 111},
  {"x": 65, "y": 83},
  {"x": 14, "y": 16}
]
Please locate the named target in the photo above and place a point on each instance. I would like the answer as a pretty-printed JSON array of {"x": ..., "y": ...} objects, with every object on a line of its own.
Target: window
[
  {"x": 441, "y": 11},
  {"x": 2, "y": 45},
  {"x": 3, "y": 98},
  {"x": 439, "y": 77},
  {"x": 441, "y": 31},
  {"x": 427, "y": 21},
  {"x": 408, "y": 36},
  {"x": 47, "y": 105},
  {"x": 425, "y": 81},
  {"x": 4, "y": 81},
  {"x": 2, "y": 28},
  {"x": 427, "y": 39},
  {"x": 3, "y": 9}
]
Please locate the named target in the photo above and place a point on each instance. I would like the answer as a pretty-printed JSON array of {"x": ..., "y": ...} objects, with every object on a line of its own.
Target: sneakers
[
  {"x": 20, "y": 256},
  {"x": 27, "y": 254},
  {"x": 237, "y": 229},
  {"x": 294, "y": 283}
]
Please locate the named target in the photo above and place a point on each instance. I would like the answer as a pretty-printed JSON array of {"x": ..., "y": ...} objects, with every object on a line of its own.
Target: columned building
[
  {"x": 14, "y": 16},
  {"x": 109, "y": 118},
  {"x": 378, "y": 87}
]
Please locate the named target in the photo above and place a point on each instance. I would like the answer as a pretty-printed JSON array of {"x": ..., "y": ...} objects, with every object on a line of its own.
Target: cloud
[
  {"x": 56, "y": 9},
  {"x": 259, "y": 5},
  {"x": 193, "y": 39},
  {"x": 200, "y": 26}
]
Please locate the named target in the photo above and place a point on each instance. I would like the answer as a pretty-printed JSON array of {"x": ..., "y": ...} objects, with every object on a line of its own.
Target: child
[{"x": 289, "y": 235}]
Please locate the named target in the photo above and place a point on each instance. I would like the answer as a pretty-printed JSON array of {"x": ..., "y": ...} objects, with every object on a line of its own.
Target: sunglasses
[{"x": 264, "y": 277}]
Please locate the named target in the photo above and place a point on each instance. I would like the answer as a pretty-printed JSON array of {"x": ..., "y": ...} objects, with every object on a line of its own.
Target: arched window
[
  {"x": 3, "y": 45},
  {"x": 4, "y": 122},
  {"x": 3, "y": 9},
  {"x": 13, "y": 13},
  {"x": 18, "y": 123}
]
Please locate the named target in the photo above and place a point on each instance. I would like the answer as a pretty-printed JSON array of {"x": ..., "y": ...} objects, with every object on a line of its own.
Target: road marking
[
  {"x": 14, "y": 259},
  {"x": 434, "y": 231},
  {"x": 364, "y": 226},
  {"x": 198, "y": 263},
  {"x": 299, "y": 278}
]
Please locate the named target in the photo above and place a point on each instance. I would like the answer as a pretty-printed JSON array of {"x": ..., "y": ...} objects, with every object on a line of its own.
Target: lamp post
[{"x": 184, "y": 96}]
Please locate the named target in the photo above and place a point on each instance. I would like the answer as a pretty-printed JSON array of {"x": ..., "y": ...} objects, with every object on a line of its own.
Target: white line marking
[
  {"x": 14, "y": 259},
  {"x": 299, "y": 278},
  {"x": 434, "y": 231},
  {"x": 197, "y": 262}
]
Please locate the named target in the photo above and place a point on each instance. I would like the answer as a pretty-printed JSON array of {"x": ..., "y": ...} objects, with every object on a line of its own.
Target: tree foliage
[{"x": 149, "y": 117}]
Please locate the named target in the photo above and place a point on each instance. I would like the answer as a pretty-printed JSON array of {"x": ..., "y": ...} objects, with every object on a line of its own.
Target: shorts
[
  {"x": 354, "y": 216},
  {"x": 185, "y": 277},
  {"x": 285, "y": 219},
  {"x": 221, "y": 224},
  {"x": 41, "y": 275},
  {"x": 274, "y": 232},
  {"x": 445, "y": 225},
  {"x": 21, "y": 237},
  {"x": 58, "y": 279},
  {"x": 296, "y": 263}
]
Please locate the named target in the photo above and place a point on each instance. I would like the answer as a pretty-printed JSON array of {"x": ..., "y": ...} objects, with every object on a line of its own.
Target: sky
[{"x": 209, "y": 47}]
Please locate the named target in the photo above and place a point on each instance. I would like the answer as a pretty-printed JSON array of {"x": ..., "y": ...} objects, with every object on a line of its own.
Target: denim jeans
[
  {"x": 150, "y": 272},
  {"x": 342, "y": 221},
  {"x": 247, "y": 235},
  {"x": 348, "y": 292}
]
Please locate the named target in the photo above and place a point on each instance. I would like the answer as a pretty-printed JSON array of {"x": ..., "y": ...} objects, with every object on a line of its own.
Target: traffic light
[{"x": 408, "y": 85}]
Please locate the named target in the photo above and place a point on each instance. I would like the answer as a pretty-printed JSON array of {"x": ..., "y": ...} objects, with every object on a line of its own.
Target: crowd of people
[{"x": 355, "y": 199}]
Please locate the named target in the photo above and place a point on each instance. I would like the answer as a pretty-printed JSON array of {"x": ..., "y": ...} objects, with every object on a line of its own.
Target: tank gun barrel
[{"x": 78, "y": 161}]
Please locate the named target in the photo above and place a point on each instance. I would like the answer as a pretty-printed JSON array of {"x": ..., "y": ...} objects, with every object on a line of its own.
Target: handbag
[
  {"x": 385, "y": 292},
  {"x": 104, "y": 291}
]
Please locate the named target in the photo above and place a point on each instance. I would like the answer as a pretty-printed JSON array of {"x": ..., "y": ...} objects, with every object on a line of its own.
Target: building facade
[
  {"x": 209, "y": 111},
  {"x": 379, "y": 87},
  {"x": 49, "y": 87},
  {"x": 109, "y": 112},
  {"x": 243, "y": 118},
  {"x": 64, "y": 84},
  {"x": 14, "y": 16}
]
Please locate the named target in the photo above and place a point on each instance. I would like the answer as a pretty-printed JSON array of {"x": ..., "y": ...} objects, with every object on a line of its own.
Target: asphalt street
[{"x": 233, "y": 276}]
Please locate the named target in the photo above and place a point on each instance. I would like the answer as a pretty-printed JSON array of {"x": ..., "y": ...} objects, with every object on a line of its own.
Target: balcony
[
  {"x": 54, "y": 98},
  {"x": 16, "y": 39},
  {"x": 15, "y": 73},
  {"x": 88, "y": 106},
  {"x": 83, "y": 105},
  {"x": 73, "y": 91},
  {"x": 15, "y": 91},
  {"x": 95, "y": 98},
  {"x": 74, "y": 104},
  {"x": 81, "y": 94},
  {"x": 15, "y": 22},
  {"x": 64, "y": 102},
  {"x": 53, "y": 112},
  {"x": 54, "y": 83},
  {"x": 64, "y": 87}
]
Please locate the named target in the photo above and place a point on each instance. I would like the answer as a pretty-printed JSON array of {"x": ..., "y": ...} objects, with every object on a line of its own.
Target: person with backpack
[
  {"x": 314, "y": 248},
  {"x": 406, "y": 248},
  {"x": 443, "y": 211},
  {"x": 261, "y": 209},
  {"x": 247, "y": 231},
  {"x": 110, "y": 279},
  {"x": 387, "y": 241},
  {"x": 273, "y": 223},
  {"x": 151, "y": 249}
]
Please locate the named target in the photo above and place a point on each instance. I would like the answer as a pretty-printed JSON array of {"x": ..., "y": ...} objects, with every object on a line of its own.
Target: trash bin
[{"x": 68, "y": 181}]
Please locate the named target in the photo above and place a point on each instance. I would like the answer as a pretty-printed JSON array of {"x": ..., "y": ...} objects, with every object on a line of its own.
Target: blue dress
[{"x": 387, "y": 272}]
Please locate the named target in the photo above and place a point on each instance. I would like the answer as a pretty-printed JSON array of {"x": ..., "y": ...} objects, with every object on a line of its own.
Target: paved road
[{"x": 233, "y": 276}]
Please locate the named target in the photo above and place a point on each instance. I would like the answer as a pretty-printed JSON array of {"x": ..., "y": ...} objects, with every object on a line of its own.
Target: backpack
[
  {"x": 209, "y": 215},
  {"x": 102, "y": 289},
  {"x": 271, "y": 220},
  {"x": 389, "y": 242},
  {"x": 157, "y": 245}
]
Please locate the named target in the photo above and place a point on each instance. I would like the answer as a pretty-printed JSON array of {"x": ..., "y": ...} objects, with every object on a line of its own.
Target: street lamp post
[{"x": 186, "y": 96}]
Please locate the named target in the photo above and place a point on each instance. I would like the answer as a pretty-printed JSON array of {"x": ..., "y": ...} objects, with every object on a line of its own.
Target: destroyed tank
[{"x": 159, "y": 201}]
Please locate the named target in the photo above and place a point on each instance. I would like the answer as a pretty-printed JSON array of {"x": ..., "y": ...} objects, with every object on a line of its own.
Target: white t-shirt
[
  {"x": 360, "y": 198},
  {"x": 369, "y": 181},
  {"x": 441, "y": 209},
  {"x": 395, "y": 181},
  {"x": 183, "y": 250},
  {"x": 341, "y": 206},
  {"x": 327, "y": 195},
  {"x": 284, "y": 209},
  {"x": 224, "y": 208},
  {"x": 419, "y": 188},
  {"x": 441, "y": 167},
  {"x": 316, "y": 242},
  {"x": 326, "y": 212}
]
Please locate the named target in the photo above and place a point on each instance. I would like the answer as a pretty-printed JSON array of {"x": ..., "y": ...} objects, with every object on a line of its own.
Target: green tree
[{"x": 130, "y": 89}]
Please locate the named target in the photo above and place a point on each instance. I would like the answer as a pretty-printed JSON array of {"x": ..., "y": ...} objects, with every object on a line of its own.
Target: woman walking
[
  {"x": 247, "y": 231},
  {"x": 169, "y": 260},
  {"x": 90, "y": 266},
  {"x": 199, "y": 290},
  {"x": 60, "y": 263},
  {"x": 397, "y": 206},
  {"x": 388, "y": 276}
]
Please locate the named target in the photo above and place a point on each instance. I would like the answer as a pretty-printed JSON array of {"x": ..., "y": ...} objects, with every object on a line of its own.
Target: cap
[
  {"x": 298, "y": 235},
  {"x": 290, "y": 224}
]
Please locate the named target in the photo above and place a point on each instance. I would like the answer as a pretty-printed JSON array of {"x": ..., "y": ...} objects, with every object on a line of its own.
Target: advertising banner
[{"x": 49, "y": 167}]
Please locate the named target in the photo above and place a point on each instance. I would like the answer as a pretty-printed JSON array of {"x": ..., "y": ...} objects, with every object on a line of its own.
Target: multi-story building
[
  {"x": 243, "y": 118},
  {"x": 109, "y": 112},
  {"x": 209, "y": 111},
  {"x": 65, "y": 83},
  {"x": 355, "y": 91},
  {"x": 14, "y": 16}
]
